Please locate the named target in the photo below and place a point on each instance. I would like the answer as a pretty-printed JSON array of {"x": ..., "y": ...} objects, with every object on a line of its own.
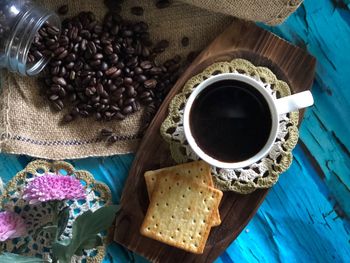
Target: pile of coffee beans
[
  {"x": 44, "y": 44},
  {"x": 107, "y": 69}
]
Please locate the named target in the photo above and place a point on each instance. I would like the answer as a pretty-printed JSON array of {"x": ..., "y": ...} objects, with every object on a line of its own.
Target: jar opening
[{"x": 28, "y": 23}]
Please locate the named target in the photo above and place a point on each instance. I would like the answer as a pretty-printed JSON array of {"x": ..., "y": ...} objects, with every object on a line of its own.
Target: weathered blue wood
[
  {"x": 323, "y": 27},
  {"x": 296, "y": 223}
]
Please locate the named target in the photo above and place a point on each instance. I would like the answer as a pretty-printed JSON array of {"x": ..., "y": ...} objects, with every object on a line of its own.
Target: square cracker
[
  {"x": 181, "y": 212},
  {"x": 199, "y": 171}
]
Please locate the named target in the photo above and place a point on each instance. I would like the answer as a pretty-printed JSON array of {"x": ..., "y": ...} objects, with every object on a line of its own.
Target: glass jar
[{"x": 20, "y": 22}]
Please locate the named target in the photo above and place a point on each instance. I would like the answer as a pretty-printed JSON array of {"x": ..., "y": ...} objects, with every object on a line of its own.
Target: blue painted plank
[
  {"x": 296, "y": 223},
  {"x": 323, "y": 28}
]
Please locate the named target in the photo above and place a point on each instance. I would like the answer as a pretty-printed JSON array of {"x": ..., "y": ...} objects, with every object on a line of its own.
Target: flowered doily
[
  {"x": 262, "y": 174},
  {"x": 35, "y": 216}
]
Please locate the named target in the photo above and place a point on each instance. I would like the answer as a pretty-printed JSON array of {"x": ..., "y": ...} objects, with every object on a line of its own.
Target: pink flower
[
  {"x": 11, "y": 226},
  {"x": 53, "y": 187}
]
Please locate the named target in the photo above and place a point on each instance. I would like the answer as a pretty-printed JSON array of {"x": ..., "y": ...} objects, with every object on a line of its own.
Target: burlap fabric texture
[{"x": 27, "y": 124}]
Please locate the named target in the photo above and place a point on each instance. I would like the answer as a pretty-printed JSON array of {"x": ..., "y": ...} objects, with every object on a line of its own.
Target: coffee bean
[
  {"x": 59, "y": 80},
  {"x": 155, "y": 71},
  {"x": 162, "y": 4},
  {"x": 127, "y": 110},
  {"x": 54, "y": 97},
  {"x": 135, "y": 106},
  {"x": 111, "y": 71},
  {"x": 53, "y": 30},
  {"x": 129, "y": 101},
  {"x": 163, "y": 44},
  {"x": 191, "y": 56},
  {"x": 68, "y": 118},
  {"x": 146, "y": 65},
  {"x": 119, "y": 116},
  {"x": 185, "y": 41},
  {"x": 112, "y": 139},
  {"x": 57, "y": 105},
  {"x": 63, "y": 54},
  {"x": 62, "y": 10},
  {"x": 137, "y": 10},
  {"x": 150, "y": 84},
  {"x": 91, "y": 47}
]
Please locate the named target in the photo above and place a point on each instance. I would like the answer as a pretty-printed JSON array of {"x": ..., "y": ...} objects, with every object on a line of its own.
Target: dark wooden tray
[{"x": 243, "y": 40}]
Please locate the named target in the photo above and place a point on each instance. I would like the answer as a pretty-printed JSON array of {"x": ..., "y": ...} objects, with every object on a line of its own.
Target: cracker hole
[
  {"x": 188, "y": 208},
  {"x": 200, "y": 233},
  {"x": 152, "y": 217},
  {"x": 172, "y": 216},
  {"x": 177, "y": 174},
  {"x": 160, "y": 233},
  {"x": 191, "y": 237},
  {"x": 169, "y": 187},
  {"x": 204, "y": 221},
  {"x": 197, "y": 176},
  {"x": 148, "y": 228},
  {"x": 183, "y": 196},
  {"x": 201, "y": 169},
  {"x": 189, "y": 171},
  {"x": 194, "y": 221},
  {"x": 152, "y": 179},
  {"x": 201, "y": 192},
  {"x": 196, "y": 245},
  {"x": 183, "y": 241},
  {"x": 166, "y": 180},
  {"x": 172, "y": 237},
  {"x": 177, "y": 229},
  {"x": 157, "y": 204},
  {"x": 189, "y": 188},
  {"x": 156, "y": 225},
  {"x": 161, "y": 192},
  {"x": 205, "y": 200},
  {"x": 166, "y": 204},
  {"x": 177, "y": 184}
]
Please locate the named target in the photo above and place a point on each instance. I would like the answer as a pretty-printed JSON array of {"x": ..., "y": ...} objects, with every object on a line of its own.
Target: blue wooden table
[{"x": 305, "y": 217}]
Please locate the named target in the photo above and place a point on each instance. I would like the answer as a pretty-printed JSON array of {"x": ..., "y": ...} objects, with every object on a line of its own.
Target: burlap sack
[
  {"x": 28, "y": 126},
  {"x": 270, "y": 12}
]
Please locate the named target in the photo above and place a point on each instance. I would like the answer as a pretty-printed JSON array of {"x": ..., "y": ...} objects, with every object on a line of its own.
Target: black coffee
[{"x": 230, "y": 121}]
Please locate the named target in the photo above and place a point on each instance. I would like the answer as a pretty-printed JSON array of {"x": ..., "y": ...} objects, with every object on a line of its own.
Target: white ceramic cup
[{"x": 276, "y": 106}]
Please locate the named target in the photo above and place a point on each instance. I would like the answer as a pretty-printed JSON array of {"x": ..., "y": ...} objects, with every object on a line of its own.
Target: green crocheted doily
[{"x": 35, "y": 216}]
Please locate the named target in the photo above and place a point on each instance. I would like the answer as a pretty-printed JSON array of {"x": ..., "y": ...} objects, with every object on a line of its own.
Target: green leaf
[
  {"x": 10, "y": 257},
  {"x": 52, "y": 230},
  {"x": 84, "y": 228},
  {"x": 63, "y": 218},
  {"x": 89, "y": 243}
]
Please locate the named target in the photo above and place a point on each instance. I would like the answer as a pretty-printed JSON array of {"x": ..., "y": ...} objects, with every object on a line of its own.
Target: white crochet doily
[
  {"x": 35, "y": 216},
  {"x": 262, "y": 174}
]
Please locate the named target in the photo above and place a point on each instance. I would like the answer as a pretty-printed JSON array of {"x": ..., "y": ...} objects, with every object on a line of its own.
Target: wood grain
[{"x": 241, "y": 39}]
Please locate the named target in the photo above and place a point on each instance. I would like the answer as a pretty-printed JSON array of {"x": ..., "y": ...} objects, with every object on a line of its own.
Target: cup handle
[{"x": 294, "y": 102}]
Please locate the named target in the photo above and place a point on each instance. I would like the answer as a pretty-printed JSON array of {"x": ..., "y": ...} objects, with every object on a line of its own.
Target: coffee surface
[{"x": 230, "y": 121}]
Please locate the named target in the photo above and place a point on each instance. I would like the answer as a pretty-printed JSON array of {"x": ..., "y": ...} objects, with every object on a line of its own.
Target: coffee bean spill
[{"x": 106, "y": 70}]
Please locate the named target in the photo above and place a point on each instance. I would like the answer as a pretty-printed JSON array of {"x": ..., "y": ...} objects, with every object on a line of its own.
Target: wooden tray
[{"x": 243, "y": 40}]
